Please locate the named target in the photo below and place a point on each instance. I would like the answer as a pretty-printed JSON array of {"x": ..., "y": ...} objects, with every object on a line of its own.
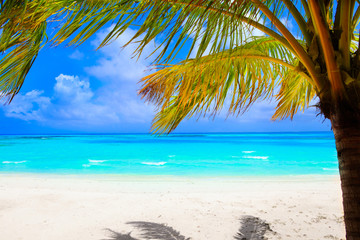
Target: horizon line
[{"x": 149, "y": 133}]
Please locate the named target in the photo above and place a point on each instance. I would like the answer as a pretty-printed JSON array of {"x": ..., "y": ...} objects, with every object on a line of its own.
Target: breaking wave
[
  {"x": 154, "y": 163},
  {"x": 257, "y": 157},
  {"x": 96, "y": 161},
  {"x": 7, "y": 162}
]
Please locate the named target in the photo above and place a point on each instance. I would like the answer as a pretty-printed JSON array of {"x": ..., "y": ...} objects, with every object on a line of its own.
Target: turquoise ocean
[{"x": 233, "y": 154}]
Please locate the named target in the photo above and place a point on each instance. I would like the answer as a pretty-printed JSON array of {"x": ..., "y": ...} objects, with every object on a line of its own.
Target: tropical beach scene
[{"x": 179, "y": 120}]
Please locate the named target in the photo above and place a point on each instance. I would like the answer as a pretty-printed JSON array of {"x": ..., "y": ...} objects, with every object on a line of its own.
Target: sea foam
[
  {"x": 7, "y": 162},
  {"x": 96, "y": 161},
  {"x": 248, "y": 151},
  {"x": 257, "y": 157},
  {"x": 154, "y": 163}
]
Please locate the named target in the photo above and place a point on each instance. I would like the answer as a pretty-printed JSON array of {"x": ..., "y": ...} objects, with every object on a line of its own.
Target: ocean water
[{"x": 177, "y": 154}]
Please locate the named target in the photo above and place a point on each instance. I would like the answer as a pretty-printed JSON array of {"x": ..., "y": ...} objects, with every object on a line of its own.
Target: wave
[
  {"x": 248, "y": 151},
  {"x": 154, "y": 163},
  {"x": 171, "y": 156},
  {"x": 257, "y": 157},
  {"x": 96, "y": 161},
  {"x": 7, "y": 162}
]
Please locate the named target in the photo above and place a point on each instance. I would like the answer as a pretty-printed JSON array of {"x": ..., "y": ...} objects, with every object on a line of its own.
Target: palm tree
[{"x": 320, "y": 60}]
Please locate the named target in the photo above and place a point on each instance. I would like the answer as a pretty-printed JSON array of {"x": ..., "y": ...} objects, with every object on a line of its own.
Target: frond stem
[
  {"x": 306, "y": 8},
  {"x": 328, "y": 50},
  {"x": 300, "y": 52},
  {"x": 344, "y": 43},
  {"x": 299, "y": 19},
  {"x": 260, "y": 57}
]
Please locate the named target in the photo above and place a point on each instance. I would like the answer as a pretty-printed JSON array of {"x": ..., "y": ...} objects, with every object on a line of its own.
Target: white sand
[{"x": 62, "y": 207}]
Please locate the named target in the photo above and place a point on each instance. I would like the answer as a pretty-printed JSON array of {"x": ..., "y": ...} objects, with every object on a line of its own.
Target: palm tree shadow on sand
[{"x": 252, "y": 228}]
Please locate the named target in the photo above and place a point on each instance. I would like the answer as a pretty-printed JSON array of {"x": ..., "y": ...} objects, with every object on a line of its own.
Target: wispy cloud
[
  {"x": 118, "y": 63},
  {"x": 77, "y": 55},
  {"x": 72, "y": 104},
  {"x": 29, "y": 106}
]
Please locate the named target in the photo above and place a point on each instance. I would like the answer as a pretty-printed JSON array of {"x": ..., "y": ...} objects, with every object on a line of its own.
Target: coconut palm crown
[{"x": 232, "y": 67}]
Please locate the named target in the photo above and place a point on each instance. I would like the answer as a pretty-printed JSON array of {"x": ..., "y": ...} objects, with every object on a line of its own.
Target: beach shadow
[
  {"x": 252, "y": 228},
  {"x": 119, "y": 236},
  {"x": 149, "y": 230}
]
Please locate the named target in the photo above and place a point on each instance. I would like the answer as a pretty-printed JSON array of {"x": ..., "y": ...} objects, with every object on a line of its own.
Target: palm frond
[
  {"x": 295, "y": 94},
  {"x": 209, "y": 26},
  {"x": 23, "y": 31},
  {"x": 83, "y": 18},
  {"x": 15, "y": 65},
  {"x": 214, "y": 25},
  {"x": 207, "y": 23},
  {"x": 248, "y": 73}
]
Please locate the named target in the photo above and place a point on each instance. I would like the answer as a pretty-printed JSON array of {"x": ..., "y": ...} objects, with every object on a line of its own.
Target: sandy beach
[{"x": 69, "y": 207}]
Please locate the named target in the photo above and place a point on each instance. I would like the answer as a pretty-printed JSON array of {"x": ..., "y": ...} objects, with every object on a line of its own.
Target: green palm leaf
[
  {"x": 23, "y": 27},
  {"x": 252, "y": 71},
  {"x": 211, "y": 24},
  {"x": 295, "y": 94},
  {"x": 16, "y": 64}
]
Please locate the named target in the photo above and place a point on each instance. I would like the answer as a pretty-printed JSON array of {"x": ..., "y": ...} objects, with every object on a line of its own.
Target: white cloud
[
  {"x": 72, "y": 104},
  {"x": 77, "y": 55},
  {"x": 118, "y": 63},
  {"x": 29, "y": 106},
  {"x": 72, "y": 89}
]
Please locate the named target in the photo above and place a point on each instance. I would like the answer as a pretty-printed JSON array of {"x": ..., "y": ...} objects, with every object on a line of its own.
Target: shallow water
[{"x": 176, "y": 154}]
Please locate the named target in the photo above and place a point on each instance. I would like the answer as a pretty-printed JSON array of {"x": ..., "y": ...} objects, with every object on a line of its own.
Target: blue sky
[{"x": 80, "y": 90}]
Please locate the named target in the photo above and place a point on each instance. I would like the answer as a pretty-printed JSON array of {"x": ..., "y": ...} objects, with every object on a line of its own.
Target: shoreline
[
  {"x": 82, "y": 207},
  {"x": 121, "y": 176}
]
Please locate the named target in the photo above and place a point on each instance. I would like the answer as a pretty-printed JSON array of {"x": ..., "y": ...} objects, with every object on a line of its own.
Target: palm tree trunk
[{"x": 346, "y": 128}]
